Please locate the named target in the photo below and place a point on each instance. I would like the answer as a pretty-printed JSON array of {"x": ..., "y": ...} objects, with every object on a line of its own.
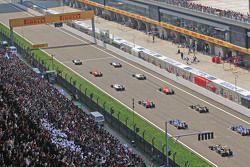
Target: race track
[{"x": 67, "y": 47}]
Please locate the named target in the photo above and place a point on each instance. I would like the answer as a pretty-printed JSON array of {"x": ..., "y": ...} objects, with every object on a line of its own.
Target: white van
[
  {"x": 97, "y": 117},
  {"x": 13, "y": 50}
]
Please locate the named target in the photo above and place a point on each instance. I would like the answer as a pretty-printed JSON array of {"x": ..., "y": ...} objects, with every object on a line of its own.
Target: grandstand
[
  {"x": 41, "y": 127},
  {"x": 241, "y": 6},
  {"x": 237, "y": 10}
]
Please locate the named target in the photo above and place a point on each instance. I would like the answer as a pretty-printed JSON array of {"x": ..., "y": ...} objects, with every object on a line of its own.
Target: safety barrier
[
  {"x": 170, "y": 72},
  {"x": 170, "y": 27},
  {"x": 173, "y": 68}
]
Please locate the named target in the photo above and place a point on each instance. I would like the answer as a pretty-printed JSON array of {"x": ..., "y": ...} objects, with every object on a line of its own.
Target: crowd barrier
[
  {"x": 215, "y": 86},
  {"x": 210, "y": 86}
]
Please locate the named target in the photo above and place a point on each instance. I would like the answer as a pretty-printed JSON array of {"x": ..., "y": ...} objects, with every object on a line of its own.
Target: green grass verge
[{"x": 183, "y": 154}]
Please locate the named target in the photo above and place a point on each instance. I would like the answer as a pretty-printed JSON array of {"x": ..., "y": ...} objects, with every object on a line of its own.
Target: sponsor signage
[
  {"x": 174, "y": 28},
  {"x": 54, "y": 18},
  {"x": 43, "y": 45},
  {"x": 70, "y": 17},
  {"x": 34, "y": 21}
]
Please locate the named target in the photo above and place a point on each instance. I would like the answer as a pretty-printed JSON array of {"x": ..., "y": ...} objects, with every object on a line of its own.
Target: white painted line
[
  {"x": 125, "y": 104},
  {"x": 84, "y": 60},
  {"x": 119, "y": 100},
  {"x": 138, "y": 114},
  {"x": 197, "y": 153},
  {"x": 151, "y": 75},
  {"x": 96, "y": 59},
  {"x": 147, "y": 73},
  {"x": 160, "y": 79}
]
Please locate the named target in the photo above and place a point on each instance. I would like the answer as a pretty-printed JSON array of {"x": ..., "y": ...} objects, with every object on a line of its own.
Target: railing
[{"x": 237, "y": 16}]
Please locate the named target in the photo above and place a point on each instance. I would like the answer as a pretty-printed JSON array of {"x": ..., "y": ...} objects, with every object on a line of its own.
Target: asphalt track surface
[{"x": 66, "y": 47}]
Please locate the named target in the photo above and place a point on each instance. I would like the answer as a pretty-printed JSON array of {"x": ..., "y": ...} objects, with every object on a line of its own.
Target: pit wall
[
  {"x": 175, "y": 74},
  {"x": 222, "y": 95}
]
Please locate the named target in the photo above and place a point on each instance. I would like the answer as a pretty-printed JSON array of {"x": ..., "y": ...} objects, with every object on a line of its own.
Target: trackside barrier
[
  {"x": 241, "y": 109},
  {"x": 216, "y": 86},
  {"x": 147, "y": 146},
  {"x": 221, "y": 99},
  {"x": 87, "y": 97},
  {"x": 237, "y": 107},
  {"x": 27, "y": 9},
  {"x": 115, "y": 122},
  {"x": 140, "y": 142}
]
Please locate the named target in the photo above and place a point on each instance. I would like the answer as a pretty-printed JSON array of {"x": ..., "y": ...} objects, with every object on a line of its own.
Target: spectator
[
  {"x": 41, "y": 127},
  {"x": 182, "y": 55},
  {"x": 210, "y": 10},
  {"x": 187, "y": 60},
  {"x": 178, "y": 51}
]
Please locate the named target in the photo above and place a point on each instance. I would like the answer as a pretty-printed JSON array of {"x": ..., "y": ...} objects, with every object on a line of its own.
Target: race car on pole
[
  {"x": 118, "y": 87},
  {"x": 166, "y": 90},
  {"x": 77, "y": 62},
  {"x": 147, "y": 103},
  {"x": 96, "y": 73},
  {"x": 139, "y": 76},
  {"x": 178, "y": 124},
  {"x": 241, "y": 130},
  {"x": 224, "y": 151},
  {"x": 200, "y": 109}
]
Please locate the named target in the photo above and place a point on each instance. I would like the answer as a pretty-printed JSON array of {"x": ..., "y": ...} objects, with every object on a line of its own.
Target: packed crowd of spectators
[
  {"x": 210, "y": 10},
  {"x": 41, "y": 127}
]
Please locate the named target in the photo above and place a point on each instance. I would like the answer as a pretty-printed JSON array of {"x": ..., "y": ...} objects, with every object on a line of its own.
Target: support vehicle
[{"x": 97, "y": 117}]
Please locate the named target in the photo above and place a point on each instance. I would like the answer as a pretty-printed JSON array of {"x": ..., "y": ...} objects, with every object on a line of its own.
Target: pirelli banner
[
  {"x": 171, "y": 27},
  {"x": 28, "y": 21},
  {"x": 37, "y": 46}
]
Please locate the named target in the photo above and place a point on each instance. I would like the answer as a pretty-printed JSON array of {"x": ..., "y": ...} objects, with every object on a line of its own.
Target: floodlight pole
[
  {"x": 166, "y": 131},
  {"x": 52, "y": 61},
  {"x": 177, "y": 138},
  {"x": 133, "y": 106},
  {"x": 11, "y": 36},
  {"x": 235, "y": 82},
  {"x": 93, "y": 29}
]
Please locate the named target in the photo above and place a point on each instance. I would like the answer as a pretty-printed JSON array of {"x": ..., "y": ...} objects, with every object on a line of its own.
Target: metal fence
[{"x": 86, "y": 97}]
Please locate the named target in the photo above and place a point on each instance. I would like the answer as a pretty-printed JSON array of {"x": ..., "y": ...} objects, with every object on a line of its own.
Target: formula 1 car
[
  {"x": 199, "y": 108},
  {"x": 139, "y": 76},
  {"x": 147, "y": 103},
  {"x": 77, "y": 62},
  {"x": 166, "y": 90},
  {"x": 116, "y": 65},
  {"x": 96, "y": 73},
  {"x": 178, "y": 124},
  {"x": 241, "y": 130},
  {"x": 224, "y": 151},
  {"x": 118, "y": 87}
]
